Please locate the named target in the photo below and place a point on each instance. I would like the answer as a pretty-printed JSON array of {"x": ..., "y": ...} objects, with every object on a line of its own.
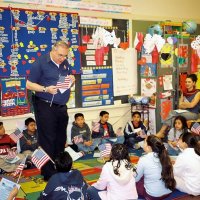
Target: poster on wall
[
  {"x": 148, "y": 87},
  {"x": 124, "y": 71},
  {"x": 14, "y": 96},
  {"x": 97, "y": 87},
  {"x": 166, "y": 107},
  {"x": 25, "y": 35}
]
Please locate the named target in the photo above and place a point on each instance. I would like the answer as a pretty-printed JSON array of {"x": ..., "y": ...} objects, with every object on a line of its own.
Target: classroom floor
[{"x": 32, "y": 183}]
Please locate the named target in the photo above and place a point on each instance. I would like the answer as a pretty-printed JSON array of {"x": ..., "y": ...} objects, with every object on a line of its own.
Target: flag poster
[{"x": 14, "y": 96}]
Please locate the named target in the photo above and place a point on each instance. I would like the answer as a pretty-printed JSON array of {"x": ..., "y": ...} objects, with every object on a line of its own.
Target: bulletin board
[
  {"x": 25, "y": 35},
  {"x": 96, "y": 60}
]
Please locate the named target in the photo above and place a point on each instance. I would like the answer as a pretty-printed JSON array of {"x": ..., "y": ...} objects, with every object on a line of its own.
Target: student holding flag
[
  {"x": 117, "y": 179},
  {"x": 9, "y": 158},
  {"x": 50, "y": 77}
]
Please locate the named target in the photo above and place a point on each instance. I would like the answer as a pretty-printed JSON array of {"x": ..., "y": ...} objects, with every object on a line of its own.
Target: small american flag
[
  {"x": 105, "y": 149},
  {"x": 78, "y": 139},
  {"x": 39, "y": 158},
  {"x": 20, "y": 167},
  {"x": 16, "y": 135},
  {"x": 95, "y": 126},
  {"x": 196, "y": 128},
  {"x": 64, "y": 82}
]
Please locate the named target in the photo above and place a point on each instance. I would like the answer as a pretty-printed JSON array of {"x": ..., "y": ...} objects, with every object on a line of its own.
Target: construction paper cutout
[
  {"x": 124, "y": 45},
  {"x": 165, "y": 56},
  {"x": 99, "y": 56},
  {"x": 82, "y": 49},
  {"x": 155, "y": 55},
  {"x": 166, "y": 107},
  {"x": 86, "y": 38}
]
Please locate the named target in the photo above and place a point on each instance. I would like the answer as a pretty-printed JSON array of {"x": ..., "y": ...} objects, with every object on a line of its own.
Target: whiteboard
[{"x": 125, "y": 78}]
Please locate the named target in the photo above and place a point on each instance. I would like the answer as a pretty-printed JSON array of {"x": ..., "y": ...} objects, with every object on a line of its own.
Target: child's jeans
[
  {"x": 171, "y": 151},
  {"x": 95, "y": 143},
  {"x": 92, "y": 193},
  {"x": 130, "y": 142},
  {"x": 117, "y": 140}
]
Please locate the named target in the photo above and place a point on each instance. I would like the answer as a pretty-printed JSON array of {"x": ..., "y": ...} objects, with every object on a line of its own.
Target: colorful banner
[{"x": 14, "y": 96}]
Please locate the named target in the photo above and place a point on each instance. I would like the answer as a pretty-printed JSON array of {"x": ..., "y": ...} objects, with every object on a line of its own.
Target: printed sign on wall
[{"x": 14, "y": 96}]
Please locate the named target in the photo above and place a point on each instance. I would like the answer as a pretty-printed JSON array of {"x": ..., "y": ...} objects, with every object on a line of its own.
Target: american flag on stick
[
  {"x": 64, "y": 82},
  {"x": 95, "y": 126},
  {"x": 16, "y": 135},
  {"x": 20, "y": 167},
  {"x": 40, "y": 158},
  {"x": 196, "y": 128},
  {"x": 105, "y": 149}
]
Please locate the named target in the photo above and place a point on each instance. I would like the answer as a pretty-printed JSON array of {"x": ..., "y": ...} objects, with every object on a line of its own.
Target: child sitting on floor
[
  {"x": 105, "y": 131},
  {"x": 134, "y": 131},
  {"x": 179, "y": 126},
  {"x": 155, "y": 179},
  {"x": 66, "y": 183},
  {"x": 81, "y": 134},
  {"x": 9, "y": 158},
  {"x": 117, "y": 177},
  {"x": 187, "y": 164},
  {"x": 29, "y": 139}
]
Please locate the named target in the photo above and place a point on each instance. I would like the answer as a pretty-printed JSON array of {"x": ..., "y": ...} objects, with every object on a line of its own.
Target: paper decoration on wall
[
  {"x": 14, "y": 96},
  {"x": 102, "y": 38},
  {"x": 151, "y": 41},
  {"x": 148, "y": 86},
  {"x": 155, "y": 55},
  {"x": 148, "y": 70},
  {"x": 198, "y": 81},
  {"x": 124, "y": 61},
  {"x": 138, "y": 42},
  {"x": 152, "y": 101},
  {"x": 166, "y": 56},
  {"x": 195, "y": 44},
  {"x": 195, "y": 61},
  {"x": 167, "y": 82},
  {"x": 160, "y": 81},
  {"x": 183, "y": 55},
  {"x": 164, "y": 95},
  {"x": 182, "y": 78},
  {"x": 166, "y": 107}
]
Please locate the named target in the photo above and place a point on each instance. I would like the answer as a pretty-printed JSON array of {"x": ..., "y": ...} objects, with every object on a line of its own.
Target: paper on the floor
[
  {"x": 180, "y": 111},
  {"x": 73, "y": 154},
  {"x": 96, "y": 154},
  {"x": 6, "y": 187}
]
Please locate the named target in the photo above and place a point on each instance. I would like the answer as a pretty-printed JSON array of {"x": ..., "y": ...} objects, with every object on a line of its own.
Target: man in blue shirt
[{"x": 50, "y": 101}]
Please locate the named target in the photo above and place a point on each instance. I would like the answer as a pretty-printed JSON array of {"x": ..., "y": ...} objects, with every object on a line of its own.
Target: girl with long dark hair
[
  {"x": 117, "y": 177},
  {"x": 155, "y": 178}
]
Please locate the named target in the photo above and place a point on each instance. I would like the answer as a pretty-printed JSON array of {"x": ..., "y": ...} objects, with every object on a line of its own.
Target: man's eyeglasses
[{"x": 62, "y": 56}]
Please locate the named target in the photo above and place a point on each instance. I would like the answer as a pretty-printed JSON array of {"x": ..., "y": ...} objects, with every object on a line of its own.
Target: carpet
[{"x": 32, "y": 183}]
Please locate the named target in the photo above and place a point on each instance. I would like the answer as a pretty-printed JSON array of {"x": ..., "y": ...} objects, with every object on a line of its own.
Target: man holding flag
[{"x": 50, "y": 77}]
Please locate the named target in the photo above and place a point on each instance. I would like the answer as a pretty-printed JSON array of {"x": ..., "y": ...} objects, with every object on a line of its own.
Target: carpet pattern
[{"x": 32, "y": 183}]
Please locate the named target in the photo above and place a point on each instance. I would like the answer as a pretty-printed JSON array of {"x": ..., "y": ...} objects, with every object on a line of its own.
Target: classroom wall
[{"x": 155, "y": 10}]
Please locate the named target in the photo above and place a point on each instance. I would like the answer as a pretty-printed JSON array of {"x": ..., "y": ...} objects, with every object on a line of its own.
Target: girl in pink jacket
[{"x": 117, "y": 179}]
